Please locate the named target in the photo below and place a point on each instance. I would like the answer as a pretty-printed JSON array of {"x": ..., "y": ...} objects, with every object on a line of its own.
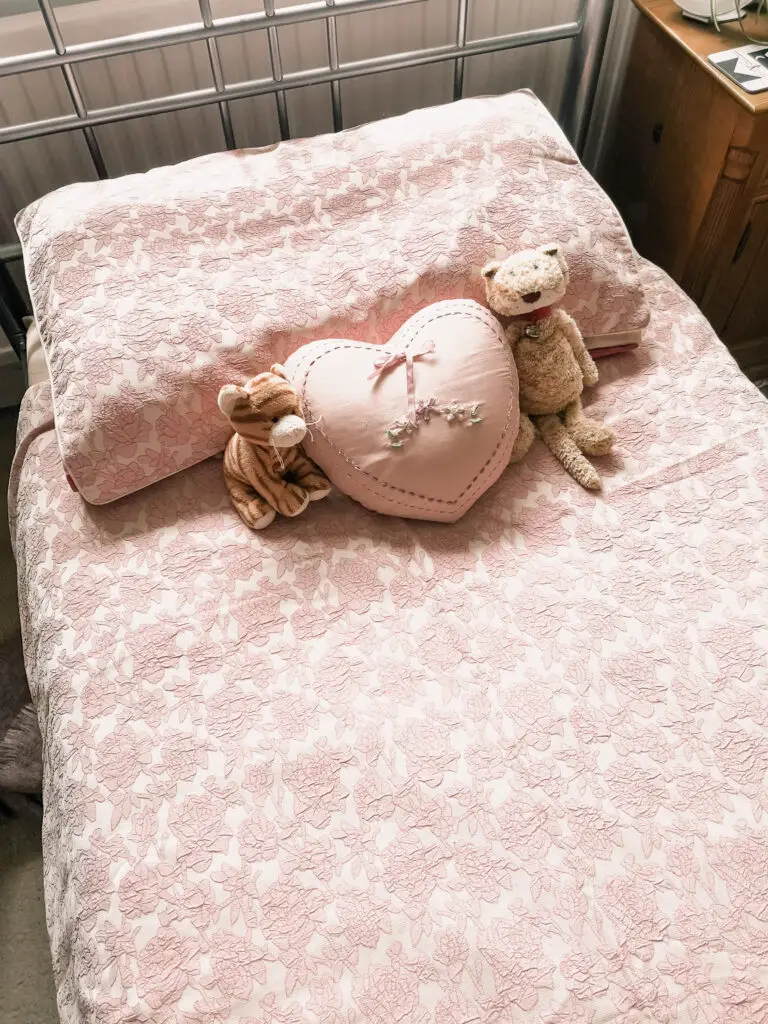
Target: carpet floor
[{"x": 26, "y": 984}]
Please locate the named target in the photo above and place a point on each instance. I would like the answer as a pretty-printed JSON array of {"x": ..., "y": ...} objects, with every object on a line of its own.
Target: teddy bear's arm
[
  {"x": 309, "y": 477},
  {"x": 512, "y": 334},
  {"x": 265, "y": 477},
  {"x": 583, "y": 358}
]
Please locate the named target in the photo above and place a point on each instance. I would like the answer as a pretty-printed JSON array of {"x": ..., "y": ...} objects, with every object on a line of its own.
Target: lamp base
[
  {"x": 706, "y": 20},
  {"x": 701, "y": 10}
]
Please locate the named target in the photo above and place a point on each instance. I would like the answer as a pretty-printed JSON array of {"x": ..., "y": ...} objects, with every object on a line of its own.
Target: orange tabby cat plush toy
[{"x": 265, "y": 470}]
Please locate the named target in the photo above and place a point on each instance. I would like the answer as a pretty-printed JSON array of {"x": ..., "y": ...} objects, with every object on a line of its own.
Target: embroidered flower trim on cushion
[{"x": 456, "y": 412}]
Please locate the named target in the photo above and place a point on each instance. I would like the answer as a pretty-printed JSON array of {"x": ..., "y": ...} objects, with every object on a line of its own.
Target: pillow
[
  {"x": 153, "y": 290},
  {"x": 421, "y": 426}
]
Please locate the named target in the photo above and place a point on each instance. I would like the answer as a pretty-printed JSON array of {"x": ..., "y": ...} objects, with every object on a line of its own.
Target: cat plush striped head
[{"x": 266, "y": 410}]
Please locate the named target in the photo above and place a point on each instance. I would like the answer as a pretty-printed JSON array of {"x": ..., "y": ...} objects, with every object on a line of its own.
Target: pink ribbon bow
[{"x": 388, "y": 360}]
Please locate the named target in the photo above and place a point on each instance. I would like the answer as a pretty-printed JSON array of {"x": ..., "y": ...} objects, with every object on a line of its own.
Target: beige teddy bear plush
[{"x": 552, "y": 361}]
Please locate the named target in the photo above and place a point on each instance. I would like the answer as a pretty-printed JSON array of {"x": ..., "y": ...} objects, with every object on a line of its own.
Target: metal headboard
[{"x": 588, "y": 31}]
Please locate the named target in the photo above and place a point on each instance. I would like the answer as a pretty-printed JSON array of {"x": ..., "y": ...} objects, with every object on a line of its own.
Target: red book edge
[{"x": 612, "y": 350}]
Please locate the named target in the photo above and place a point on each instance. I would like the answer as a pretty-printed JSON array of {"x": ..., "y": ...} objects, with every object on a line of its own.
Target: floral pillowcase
[{"x": 153, "y": 290}]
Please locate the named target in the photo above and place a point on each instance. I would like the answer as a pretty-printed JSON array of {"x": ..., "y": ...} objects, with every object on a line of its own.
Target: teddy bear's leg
[
  {"x": 309, "y": 477},
  {"x": 524, "y": 440},
  {"x": 251, "y": 508},
  {"x": 592, "y": 437},
  {"x": 291, "y": 500},
  {"x": 564, "y": 448}
]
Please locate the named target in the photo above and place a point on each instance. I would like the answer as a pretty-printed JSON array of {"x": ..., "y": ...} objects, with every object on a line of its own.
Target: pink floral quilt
[{"x": 358, "y": 770}]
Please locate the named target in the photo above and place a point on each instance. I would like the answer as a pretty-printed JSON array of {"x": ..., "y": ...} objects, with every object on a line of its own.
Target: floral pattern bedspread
[{"x": 358, "y": 770}]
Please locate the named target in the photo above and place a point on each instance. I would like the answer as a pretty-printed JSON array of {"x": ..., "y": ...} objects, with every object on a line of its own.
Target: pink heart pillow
[{"x": 419, "y": 427}]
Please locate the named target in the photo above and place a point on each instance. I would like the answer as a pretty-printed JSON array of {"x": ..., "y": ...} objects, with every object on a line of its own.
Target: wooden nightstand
[{"x": 689, "y": 173}]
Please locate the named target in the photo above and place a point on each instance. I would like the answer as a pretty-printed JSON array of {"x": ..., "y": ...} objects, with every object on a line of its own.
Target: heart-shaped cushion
[{"x": 418, "y": 427}]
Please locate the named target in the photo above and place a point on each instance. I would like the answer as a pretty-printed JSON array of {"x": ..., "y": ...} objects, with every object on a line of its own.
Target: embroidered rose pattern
[{"x": 361, "y": 770}]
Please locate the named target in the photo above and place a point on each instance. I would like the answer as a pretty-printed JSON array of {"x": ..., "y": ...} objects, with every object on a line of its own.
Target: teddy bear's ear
[
  {"x": 279, "y": 370},
  {"x": 229, "y": 396},
  {"x": 550, "y": 250},
  {"x": 490, "y": 269}
]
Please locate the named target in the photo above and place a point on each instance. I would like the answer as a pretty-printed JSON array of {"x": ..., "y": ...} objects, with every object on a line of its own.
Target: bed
[
  {"x": 514, "y": 769},
  {"x": 359, "y": 769}
]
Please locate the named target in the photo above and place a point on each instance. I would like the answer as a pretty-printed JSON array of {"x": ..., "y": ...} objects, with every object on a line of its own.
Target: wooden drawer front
[
  {"x": 752, "y": 357},
  {"x": 720, "y": 224},
  {"x": 748, "y": 313},
  {"x": 675, "y": 130},
  {"x": 737, "y": 300}
]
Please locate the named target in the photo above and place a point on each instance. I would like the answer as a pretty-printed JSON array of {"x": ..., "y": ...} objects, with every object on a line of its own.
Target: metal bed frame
[{"x": 588, "y": 31}]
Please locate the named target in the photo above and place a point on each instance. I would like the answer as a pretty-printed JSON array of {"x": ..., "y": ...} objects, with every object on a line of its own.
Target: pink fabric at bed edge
[{"x": 153, "y": 290}]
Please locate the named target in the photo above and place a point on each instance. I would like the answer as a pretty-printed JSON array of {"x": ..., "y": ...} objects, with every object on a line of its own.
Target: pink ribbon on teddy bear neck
[{"x": 388, "y": 360}]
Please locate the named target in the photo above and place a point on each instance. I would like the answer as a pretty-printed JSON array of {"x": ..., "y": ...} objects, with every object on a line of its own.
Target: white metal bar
[
  {"x": 461, "y": 41},
  {"x": 218, "y": 75},
  {"x": 594, "y": 19},
  {"x": 293, "y": 80},
  {"x": 78, "y": 52},
  {"x": 54, "y": 32},
  {"x": 273, "y": 41},
  {"x": 333, "y": 64}
]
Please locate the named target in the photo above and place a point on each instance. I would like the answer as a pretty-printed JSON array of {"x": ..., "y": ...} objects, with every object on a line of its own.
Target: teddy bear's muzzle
[
  {"x": 288, "y": 430},
  {"x": 531, "y": 297}
]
